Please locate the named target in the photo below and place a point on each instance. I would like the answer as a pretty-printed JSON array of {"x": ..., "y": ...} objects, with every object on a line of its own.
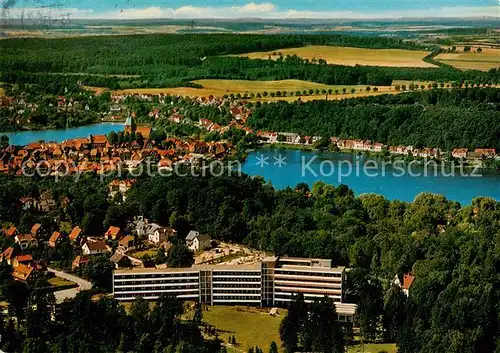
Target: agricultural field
[
  {"x": 489, "y": 58},
  {"x": 220, "y": 88},
  {"x": 350, "y": 56}
]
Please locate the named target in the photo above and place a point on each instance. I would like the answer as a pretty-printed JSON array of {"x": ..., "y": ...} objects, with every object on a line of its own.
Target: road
[{"x": 61, "y": 295}]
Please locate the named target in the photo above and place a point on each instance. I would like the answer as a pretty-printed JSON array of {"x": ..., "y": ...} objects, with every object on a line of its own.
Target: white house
[
  {"x": 196, "y": 241},
  {"x": 160, "y": 234},
  {"x": 25, "y": 240},
  {"x": 94, "y": 247}
]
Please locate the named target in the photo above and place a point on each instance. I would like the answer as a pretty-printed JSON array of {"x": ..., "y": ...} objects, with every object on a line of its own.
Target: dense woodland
[
  {"x": 437, "y": 118},
  {"x": 452, "y": 250},
  {"x": 175, "y": 60}
]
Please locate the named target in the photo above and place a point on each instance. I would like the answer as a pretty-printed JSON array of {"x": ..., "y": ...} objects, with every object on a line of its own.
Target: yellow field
[
  {"x": 1, "y": 92},
  {"x": 219, "y": 88},
  {"x": 350, "y": 56},
  {"x": 488, "y": 59}
]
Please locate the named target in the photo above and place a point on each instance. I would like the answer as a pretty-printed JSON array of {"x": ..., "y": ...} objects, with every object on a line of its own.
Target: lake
[
  {"x": 25, "y": 137},
  {"x": 287, "y": 167}
]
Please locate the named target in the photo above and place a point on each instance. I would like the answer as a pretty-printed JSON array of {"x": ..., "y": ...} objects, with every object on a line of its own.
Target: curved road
[{"x": 72, "y": 292}]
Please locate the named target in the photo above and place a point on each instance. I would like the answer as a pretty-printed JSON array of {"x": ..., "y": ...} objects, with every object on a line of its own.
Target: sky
[{"x": 270, "y": 9}]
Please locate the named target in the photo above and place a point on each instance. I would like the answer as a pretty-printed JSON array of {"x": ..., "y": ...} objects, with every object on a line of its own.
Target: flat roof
[{"x": 139, "y": 270}]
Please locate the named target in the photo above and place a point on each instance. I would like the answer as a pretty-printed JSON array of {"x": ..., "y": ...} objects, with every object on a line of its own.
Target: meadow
[
  {"x": 488, "y": 59},
  {"x": 350, "y": 56},
  {"x": 250, "y": 326}
]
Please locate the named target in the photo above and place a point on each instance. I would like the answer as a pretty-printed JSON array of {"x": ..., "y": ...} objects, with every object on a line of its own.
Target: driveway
[{"x": 61, "y": 295}]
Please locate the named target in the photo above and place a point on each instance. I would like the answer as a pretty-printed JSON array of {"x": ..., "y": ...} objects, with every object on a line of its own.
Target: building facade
[{"x": 272, "y": 282}]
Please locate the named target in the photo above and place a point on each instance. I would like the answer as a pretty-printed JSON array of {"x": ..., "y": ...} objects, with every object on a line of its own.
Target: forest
[
  {"x": 175, "y": 60},
  {"x": 436, "y": 118},
  {"x": 451, "y": 249}
]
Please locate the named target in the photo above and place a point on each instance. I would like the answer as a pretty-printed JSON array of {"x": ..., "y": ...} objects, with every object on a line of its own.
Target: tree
[
  {"x": 479, "y": 50},
  {"x": 322, "y": 144},
  {"x": 16, "y": 294},
  {"x": 180, "y": 255},
  {"x": 160, "y": 257},
  {"x": 273, "y": 348},
  {"x": 395, "y": 312},
  {"x": 292, "y": 324},
  {"x": 4, "y": 141},
  {"x": 325, "y": 332},
  {"x": 99, "y": 270},
  {"x": 112, "y": 137},
  {"x": 467, "y": 49}
]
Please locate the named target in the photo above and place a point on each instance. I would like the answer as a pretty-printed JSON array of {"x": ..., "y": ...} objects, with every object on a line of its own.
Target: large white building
[{"x": 273, "y": 282}]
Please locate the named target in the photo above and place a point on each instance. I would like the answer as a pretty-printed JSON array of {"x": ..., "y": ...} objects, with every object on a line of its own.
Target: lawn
[
  {"x": 350, "y": 56},
  {"x": 373, "y": 348},
  {"x": 251, "y": 326},
  {"x": 61, "y": 283},
  {"x": 139, "y": 254},
  {"x": 488, "y": 59}
]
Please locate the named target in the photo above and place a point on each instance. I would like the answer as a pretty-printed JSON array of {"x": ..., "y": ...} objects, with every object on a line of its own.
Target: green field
[
  {"x": 373, "y": 348},
  {"x": 251, "y": 326},
  {"x": 59, "y": 282}
]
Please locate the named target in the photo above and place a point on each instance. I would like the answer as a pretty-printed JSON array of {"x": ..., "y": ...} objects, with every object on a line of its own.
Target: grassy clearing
[
  {"x": 488, "y": 59},
  {"x": 139, "y": 254},
  {"x": 250, "y": 326},
  {"x": 61, "y": 282},
  {"x": 2, "y": 92},
  {"x": 351, "y": 56},
  {"x": 373, "y": 348}
]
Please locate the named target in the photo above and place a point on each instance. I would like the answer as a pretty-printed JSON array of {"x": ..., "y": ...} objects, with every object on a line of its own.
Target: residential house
[
  {"x": 36, "y": 230},
  {"x": 120, "y": 186},
  {"x": 377, "y": 147},
  {"x": 127, "y": 243},
  {"x": 160, "y": 234},
  {"x": 120, "y": 260},
  {"x": 113, "y": 233},
  {"x": 474, "y": 156},
  {"x": 11, "y": 232},
  {"x": 196, "y": 241},
  {"x": 460, "y": 152},
  {"x": 22, "y": 272},
  {"x": 290, "y": 137},
  {"x": 94, "y": 247},
  {"x": 79, "y": 261},
  {"x": 486, "y": 152},
  {"x": 8, "y": 255},
  {"x": 46, "y": 202},
  {"x": 76, "y": 235},
  {"x": 98, "y": 141},
  {"x": 267, "y": 136},
  {"x": 25, "y": 240},
  {"x": 55, "y": 239},
  {"x": 407, "y": 282},
  {"x": 22, "y": 259}
]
